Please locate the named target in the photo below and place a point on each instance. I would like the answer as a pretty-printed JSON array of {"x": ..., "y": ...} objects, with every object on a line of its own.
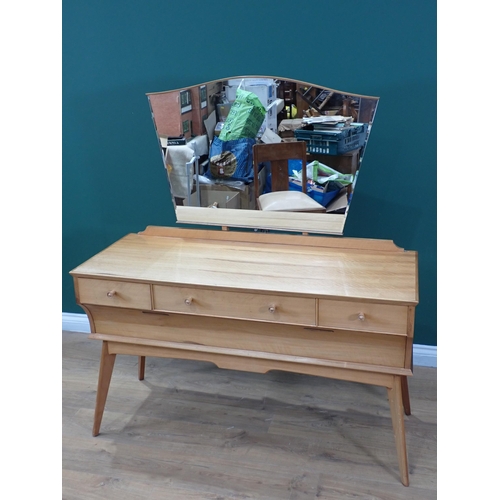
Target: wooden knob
[
  {"x": 111, "y": 293},
  {"x": 188, "y": 301},
  {"x": 272, "y": 309},
  {"x": 361, "y": 317}
]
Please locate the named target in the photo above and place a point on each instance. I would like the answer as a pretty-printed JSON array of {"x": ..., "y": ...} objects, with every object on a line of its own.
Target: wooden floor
[{"x": 193, "y": 431}]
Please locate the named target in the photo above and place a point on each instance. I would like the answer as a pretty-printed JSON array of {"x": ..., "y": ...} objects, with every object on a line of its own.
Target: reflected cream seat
[
  {"x": 289, "y": 201},
  {"x": 281, "y": 198}
]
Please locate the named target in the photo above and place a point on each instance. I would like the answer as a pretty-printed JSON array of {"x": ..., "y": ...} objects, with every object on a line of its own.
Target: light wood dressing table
[
  {"x": 341, "y": 308},
  {"x": 333, "y": 307}
]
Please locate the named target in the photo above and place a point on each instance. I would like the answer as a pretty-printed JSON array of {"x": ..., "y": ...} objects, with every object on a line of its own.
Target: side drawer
[
  {"x": 365, "y": 317},
  {"x": 114, "y": 293},
  {"x": 239, "y": 305}
]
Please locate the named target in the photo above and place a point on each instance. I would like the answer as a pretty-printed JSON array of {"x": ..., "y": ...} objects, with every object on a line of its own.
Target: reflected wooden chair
[{"x": 281, "y": 198}]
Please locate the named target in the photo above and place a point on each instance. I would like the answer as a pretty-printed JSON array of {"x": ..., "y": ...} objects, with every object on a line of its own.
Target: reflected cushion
[{"x": 289, "y": 201}]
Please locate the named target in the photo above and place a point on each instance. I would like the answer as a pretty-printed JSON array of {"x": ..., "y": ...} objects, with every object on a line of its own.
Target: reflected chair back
[{"x": 278, "y": 155}]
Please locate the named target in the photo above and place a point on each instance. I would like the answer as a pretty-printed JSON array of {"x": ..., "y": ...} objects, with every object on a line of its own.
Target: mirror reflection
[{"x": 263, "y": 144}]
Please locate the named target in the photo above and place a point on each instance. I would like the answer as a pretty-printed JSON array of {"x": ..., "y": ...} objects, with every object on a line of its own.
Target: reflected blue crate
[
  {"x": 294, "y": 165},
  {"x": 317, "y": 193},
  {"x": 334, "y": 142}
]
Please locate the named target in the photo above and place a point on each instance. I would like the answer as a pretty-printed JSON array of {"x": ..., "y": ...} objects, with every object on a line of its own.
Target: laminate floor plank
[{"x": 192, "y": 431}]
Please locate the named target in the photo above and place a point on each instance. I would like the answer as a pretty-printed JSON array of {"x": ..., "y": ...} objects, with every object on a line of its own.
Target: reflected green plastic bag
[{"x": 245, "y": 117}]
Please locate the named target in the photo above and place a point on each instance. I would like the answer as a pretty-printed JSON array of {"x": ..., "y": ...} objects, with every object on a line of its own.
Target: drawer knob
[
  {"x": 361, "y": 317},
  {"x": 272, "y": 309},
  {"x": 188, "y": 301},
  {"x": 111, "y": 293}
]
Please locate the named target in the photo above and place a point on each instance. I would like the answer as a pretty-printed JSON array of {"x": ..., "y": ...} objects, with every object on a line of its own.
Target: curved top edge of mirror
[
  {"x": 281, "y": 78},
  {"x": 195, "y": 117}
]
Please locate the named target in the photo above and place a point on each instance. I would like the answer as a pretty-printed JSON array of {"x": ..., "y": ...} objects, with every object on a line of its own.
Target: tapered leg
[
  {"x": 142, "y": 367},
  {"x": 396, "y": 404},
  {"x": 105, "y": 372},
  {"x": 406, "y": 395}
]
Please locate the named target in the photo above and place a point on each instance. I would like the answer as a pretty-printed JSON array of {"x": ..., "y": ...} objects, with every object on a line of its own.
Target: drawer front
[
  {"x": 367, "y": 348},
  {"x": 365, "y": 317},
  {"x": 114, "y": 293},
  {"x": 249, "y": 306}
]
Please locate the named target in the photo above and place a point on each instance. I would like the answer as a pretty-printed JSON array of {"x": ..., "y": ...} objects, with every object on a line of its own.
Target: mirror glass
[{"x": 227, "y": 150}]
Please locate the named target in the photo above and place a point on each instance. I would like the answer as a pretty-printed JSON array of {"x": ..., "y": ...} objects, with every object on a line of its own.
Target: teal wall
[{"x": 115, "y": 52}]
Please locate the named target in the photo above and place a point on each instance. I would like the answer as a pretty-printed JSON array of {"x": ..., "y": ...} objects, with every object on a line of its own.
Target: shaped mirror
[{"x": 230, "y": 151}]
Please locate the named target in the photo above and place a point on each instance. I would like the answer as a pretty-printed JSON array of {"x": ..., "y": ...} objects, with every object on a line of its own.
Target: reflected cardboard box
[
  {"x": 245, "y": 192},
  {"x": 216, "y": 198}
]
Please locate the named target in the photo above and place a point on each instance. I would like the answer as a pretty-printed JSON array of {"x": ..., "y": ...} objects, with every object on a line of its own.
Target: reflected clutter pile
[{"x": 223, "y": 122}]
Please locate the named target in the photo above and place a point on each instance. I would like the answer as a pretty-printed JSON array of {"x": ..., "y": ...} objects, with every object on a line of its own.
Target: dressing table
[{"x": 256, "y": 301}]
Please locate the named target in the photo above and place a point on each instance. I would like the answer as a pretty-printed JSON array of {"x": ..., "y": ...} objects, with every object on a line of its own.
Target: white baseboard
[
  {"x": 72, "y": 322},
  {"x": 423, "y": 355}
]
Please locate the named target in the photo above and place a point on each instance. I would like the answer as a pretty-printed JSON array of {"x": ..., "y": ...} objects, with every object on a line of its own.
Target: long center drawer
[{"x": 241, "y": 305}]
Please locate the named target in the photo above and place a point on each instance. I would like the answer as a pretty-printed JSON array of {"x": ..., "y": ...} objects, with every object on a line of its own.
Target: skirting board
[{"x": 423, "y": 355}]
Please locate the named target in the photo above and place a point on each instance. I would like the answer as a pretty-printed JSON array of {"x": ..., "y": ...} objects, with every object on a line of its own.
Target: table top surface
[{"x": 253, "y": 266}]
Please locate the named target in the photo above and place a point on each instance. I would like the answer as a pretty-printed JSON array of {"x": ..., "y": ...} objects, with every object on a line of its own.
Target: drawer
[
  {"x": 240, "y": 305},
  {"x": 368, "y": 348},
  {"x": 114, "y": 293},
  {"x": 359, "y": 316}
]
